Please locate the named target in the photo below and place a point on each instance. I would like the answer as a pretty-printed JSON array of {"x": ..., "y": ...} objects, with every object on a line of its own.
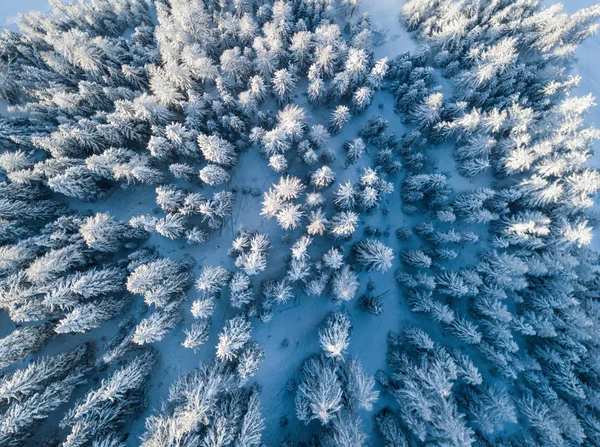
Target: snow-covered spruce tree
[
  {"x": 197, "y": 335},
  {"x": 290, "y": 216},
  {"x": 249, "y": 361},
  {"x": 214, "y": 175},
  {"x": 233, "y": 337},
  {"x": 103, "y": 233},
  {"x": 416, "y": 258},
  {"x": 217, "y": 150},
  {"x": 103, "y": 409},
  {"x": 32, "y": 393},
  {"x": 20, "y": 384},
  {"x": 251, "y": 250},
  {"x": 359, "y": 387},
  {"x": 240, "y": 288},
  {"x": 98, "y": 282},
  {"x": 154, "y": 327},
  {"x": 344, "y": 284},
  {"x": 429, "y": 412},
  {"x": 212, "y": 279},
  {"x": 354, "y": 149},
  {"x": 334, "y": 335},
  {"x": 289, "y": 188},
  {"x": 320, "y": 392},
  {"x": 160, "y": 281},
  {"x": 203, "y": 307},
  {"x": 339, "y": 118},
  {"x": 55, "y": 263},
  {"x": 279, "y": 291},
  {"x": 374, "y": 255},
  {"x": 208, "y": 407},
  {"x": 389, "y": 429},
  {"x": 22, "y": 416},
  {"x": 322, "y": 177},
  {"x": 87, "y": 316},
  {"x": 284, "y": 83},
  {"x": 343, "y": 224},
  {"x": 22, "y": 342},
  {"x": 332, "y": 391}
]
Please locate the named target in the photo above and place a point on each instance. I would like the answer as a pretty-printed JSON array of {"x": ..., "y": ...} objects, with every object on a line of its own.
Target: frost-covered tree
[
  {"x": 103, "y": 409},
  {"x": 214, "y": 175},
  {"x": 416, "y": 258},
  {"x": 319, "y": 391},
  {"x": 210, "y": 408},
  {"x": 318, "y": 135},
  {"x": 55, "y": 263},
  {"x": 98, "y": 282},
  {"x": 87, "y": 316},
  {"x": 345, "y": 196},
  {"x": 183, "y": 171},
  {"x": 374, "y": 255},
  {"x": 249, "y": 361},
  {"x": 317, "y": 223},
  {"x": 284, "y": 83},
  {"x": 22, "y": 416},
  {"x": 360, "y": 387},
  {"x": 171, "y": 226},
  {"x": 212, "y": 279},
  {"x": 103, "y": 233},
  {"x": 217, "y": 150},
  {"x": 289, "y": 188},
  {"x": 22, "y": 342},
  {"x": 81, "y": 183},
  {"x": 252, "y": 253},
  {"x": 21, "y": 384},
  {"x": 197, "y": 335},
  {"x": 492, "y": 407},
  {"x": 346, "y": 430},
  {"x": 233, "y": 338},
  {"x": 333, "y": 259},
  {"x": 291, "y": 121},
  {"x": 279, "y": 291},
  {"x": 290, "y": 216},
  {"x": 343, "y": 224},
  {"x": 160, "y": 281},
  {"x": 334, "y": 335},
  {"x": 344, "y": 284},
  {"x": 154, "y": 327},
  {"x": 240, "y": 290},
  {"x": 424, "y": 393},
  {"x": 361, "y": 99},
  {"x": 354, "y": 149},
  {"x": 204, "y": 306},
  {"x": 278, "y": 163},
  {"x": 339, "y": 118},
  {"x": 322, "y": 177},
  {"x": 390, "y": 430}
]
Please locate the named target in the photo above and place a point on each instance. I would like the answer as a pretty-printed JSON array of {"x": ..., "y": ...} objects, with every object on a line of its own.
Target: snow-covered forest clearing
[{"x": 299, "y": 223}]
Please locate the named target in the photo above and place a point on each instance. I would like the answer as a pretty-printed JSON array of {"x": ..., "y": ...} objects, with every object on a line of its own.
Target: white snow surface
[{"x": 298, "y": 320}]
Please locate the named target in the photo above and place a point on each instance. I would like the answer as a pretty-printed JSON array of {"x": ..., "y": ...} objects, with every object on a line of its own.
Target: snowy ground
[{"x": 297, "y": 321}]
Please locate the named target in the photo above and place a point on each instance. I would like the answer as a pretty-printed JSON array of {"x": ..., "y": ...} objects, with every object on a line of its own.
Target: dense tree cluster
[
  {"x": 523, "y": 308},
  {"x": 333, "y": 389}
]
